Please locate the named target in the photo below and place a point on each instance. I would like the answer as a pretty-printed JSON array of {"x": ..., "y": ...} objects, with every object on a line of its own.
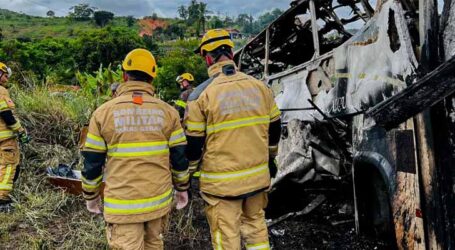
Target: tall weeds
[{"x": 48, "y": 218}]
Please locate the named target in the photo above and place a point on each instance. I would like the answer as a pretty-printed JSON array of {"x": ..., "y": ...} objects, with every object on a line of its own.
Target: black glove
[
  {"x": 273, "y": 169},
  {"x": 23, "y": 137}
]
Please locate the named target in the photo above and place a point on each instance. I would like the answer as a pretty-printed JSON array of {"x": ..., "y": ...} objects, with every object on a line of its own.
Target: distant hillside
[
  {"x": 189, "y": 24},
  {"x": 148, "y": 26},
  {"x": 16, "y": 25},
  {"x": 4, "y": 12}
]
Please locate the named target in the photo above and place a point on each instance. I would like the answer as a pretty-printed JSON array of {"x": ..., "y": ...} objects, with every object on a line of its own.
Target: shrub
[
  {"x": 178, "y": 59},
  {"x": 52, "y": 118}
]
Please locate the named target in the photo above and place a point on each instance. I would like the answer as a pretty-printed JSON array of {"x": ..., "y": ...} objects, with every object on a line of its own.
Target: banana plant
[{"x": 97, "y": 85}]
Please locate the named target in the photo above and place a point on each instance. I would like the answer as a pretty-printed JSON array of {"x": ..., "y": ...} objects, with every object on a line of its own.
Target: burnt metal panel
[{"x": 429, "y": 90}]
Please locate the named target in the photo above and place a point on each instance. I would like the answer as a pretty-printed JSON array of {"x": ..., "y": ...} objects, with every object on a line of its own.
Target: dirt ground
[
  {"x": 316, "y": 231},
  {"x": 70, "y": 225},
  {"x": 330, "y": 226},
  {"x": 47, "y": 218}
]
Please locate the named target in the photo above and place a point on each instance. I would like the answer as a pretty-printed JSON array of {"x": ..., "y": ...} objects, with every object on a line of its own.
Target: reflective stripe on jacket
[
  {"x": 7, "y": 132},
  {"x": 136, "y": 131},
  {"x": 233, "y": 112}
]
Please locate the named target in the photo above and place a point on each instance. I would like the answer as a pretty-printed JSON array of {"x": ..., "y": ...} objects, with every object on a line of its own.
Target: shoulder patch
[{"x": 200, "y": 89}]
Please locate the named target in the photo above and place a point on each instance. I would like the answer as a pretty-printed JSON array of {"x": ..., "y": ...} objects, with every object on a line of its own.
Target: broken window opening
[
  {"x": 392, "y": 30},
  {"x": 291, "y": 35}
]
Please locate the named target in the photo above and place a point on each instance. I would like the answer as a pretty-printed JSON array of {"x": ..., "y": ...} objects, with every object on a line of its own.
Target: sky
[{"x": 140, "y": 8}]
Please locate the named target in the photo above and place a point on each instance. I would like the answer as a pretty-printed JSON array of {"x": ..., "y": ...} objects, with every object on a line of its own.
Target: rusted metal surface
[
  {"x": 378, "y": 148},
  {"x": 429, "y": 57},
  {"x": 408, "y": 234},
  {"x": 429, "y": 179},
  {"x": 406, "y": 201}
]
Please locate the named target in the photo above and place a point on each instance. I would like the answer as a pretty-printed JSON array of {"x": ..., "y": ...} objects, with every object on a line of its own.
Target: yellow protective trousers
[
  {"x": 9, "y": 160},
  {"x": 137, "y": 236},
  {"x": 230, "y": 220}
]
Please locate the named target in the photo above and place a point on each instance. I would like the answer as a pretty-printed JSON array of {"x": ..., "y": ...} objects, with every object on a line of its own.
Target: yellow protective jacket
[
  {"x": 6, "y": 104},
  {"x": 232, "y": 111},
  {"x": 180, "y": 104},
  {"x": 137, "y": 132}
]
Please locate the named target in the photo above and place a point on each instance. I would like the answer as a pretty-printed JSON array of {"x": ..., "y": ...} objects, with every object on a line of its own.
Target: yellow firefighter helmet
[
  {"x": 5, "y": 69},
  {"x": 214, "y": 39},
  {"x": 140, "y": 60},
  {"x": 186, "y": 76}
]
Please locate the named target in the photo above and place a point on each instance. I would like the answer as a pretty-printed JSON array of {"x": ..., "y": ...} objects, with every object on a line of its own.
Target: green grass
[
  {"x": 45, "y": 217},
  {"x": 48, "y": 218},
  {"x": 14, "y": 25},
  {"x": 53, "y": 118}
]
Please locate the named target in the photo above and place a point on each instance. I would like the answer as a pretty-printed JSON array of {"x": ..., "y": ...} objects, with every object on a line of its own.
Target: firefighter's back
[
  {"x": 237, "y": 109},
  {"x": 136, "y": 128}
]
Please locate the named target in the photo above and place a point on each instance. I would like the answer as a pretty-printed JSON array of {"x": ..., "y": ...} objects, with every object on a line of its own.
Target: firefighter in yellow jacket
[
  {"x": 233, "y": 128},
  {"x": 185, "y": 82},
  {"x": 137, "y": 137},
  {"x": 10, "y": 129}
]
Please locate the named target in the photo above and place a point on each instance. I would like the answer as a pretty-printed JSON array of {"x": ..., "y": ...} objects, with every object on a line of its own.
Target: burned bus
[{"x": 366, "y": 101}]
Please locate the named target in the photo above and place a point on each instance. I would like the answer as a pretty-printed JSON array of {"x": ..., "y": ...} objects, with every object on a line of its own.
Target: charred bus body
[{"x": 364, "y": 105}]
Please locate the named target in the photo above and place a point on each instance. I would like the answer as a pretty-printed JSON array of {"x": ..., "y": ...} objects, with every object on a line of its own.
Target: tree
[
  {"x": 249, "y": 28},
  {"x": 82, "y": 12},
  {"x": 150, "y": 43},
  {"x": 202, "y": 18},
  {"x": 130, "y": 21},
  {"x": 103, "y": 17},
  {"x": 269, "y": 17},
  {"x": 177, "y": 59},
  {"x": 216, "y": 23},
  {"x": 228, "y": 22},
  {"x": 176, "y": 30},
  {"x": 193, "y": 12},
  {"x": 276, "y": 13},
  {"x": 154, "y": 16},
  {"x": 50, "y": 13},
  {"x": 183, "y": 12},
  {"x": 242, "y": 20},
  {"x": 105, "y": 46},
  {"x": 245, "y": 22}
]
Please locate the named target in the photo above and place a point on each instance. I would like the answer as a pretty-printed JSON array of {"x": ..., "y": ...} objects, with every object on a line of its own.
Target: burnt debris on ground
[{"x": 329, "y": 226}]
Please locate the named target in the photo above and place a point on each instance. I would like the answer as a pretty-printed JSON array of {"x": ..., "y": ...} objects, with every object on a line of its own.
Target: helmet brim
[{"x": 197, "y": 51}]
